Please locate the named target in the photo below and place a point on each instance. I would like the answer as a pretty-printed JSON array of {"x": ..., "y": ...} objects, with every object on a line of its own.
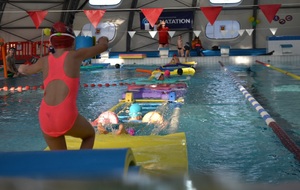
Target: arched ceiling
[{"x": 17, "y": 24}]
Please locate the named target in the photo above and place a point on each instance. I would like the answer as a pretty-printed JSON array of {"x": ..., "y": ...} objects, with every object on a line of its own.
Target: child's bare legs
[
  {"x": 121, "y": 130},
  {"x": 187, "y": 54},
  {"x": 81, "y": 129},
  {"x": 84, "y": 130},
  {"x": 55, "y": 143},
  {"x": 181, "y": 53}
]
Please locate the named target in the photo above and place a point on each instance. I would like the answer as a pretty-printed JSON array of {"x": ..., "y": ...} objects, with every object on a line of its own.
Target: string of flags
[
  {"x": 153, "y": 14},
  {"x": 171, "y": 33}
]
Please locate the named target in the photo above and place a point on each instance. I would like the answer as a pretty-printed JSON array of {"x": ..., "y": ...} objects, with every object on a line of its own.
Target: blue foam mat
[{"x": 68, "y": 164}]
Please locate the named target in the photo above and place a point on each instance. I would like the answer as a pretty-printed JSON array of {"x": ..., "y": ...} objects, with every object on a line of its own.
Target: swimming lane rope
[
  {"x": 279, "y": 70},
  {"x": 41, "y": 87},
  {"x": 281, "y": 134}
]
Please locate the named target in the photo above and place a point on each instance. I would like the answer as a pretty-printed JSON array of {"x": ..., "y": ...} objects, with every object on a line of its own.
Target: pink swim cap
[
  {"x": 61, "y": 36},
  {"x": 167, "y": 73}
]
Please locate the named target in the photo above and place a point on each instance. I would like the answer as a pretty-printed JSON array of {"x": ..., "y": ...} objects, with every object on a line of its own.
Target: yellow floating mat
[
  {"x": 158, "y": 155},
  {"x": 190, "y": 62}
]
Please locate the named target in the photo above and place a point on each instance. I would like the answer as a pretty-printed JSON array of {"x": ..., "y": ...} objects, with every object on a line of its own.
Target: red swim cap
[{"x": 61, "y": 36}]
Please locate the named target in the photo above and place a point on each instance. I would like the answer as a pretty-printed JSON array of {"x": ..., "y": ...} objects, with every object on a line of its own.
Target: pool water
[{"x": 224, "y": 132}]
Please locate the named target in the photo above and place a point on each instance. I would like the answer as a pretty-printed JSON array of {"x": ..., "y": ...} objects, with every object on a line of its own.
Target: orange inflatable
[{"x": 144, "y": 71}]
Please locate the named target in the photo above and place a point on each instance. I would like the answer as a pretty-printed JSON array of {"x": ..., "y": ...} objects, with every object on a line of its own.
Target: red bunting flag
[
  {"x": 211, "y": 13},
  {"x": 94, "y": 16},
  {"x": 270, "y": 11},
  {"x": 152, "y": 14},
  {"x": 37, "y": 17}
]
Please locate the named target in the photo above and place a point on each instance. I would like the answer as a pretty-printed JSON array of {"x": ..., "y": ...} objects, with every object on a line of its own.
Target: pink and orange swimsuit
[{"x": 58, "y": 119}]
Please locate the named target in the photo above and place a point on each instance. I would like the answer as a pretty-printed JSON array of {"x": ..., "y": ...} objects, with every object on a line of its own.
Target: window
[
  {"x": 225, "y": 29},
  {"x": 103, "y": 29},
  {"x": 105, "y": 3},
  {"x": 225, "y": 2}
]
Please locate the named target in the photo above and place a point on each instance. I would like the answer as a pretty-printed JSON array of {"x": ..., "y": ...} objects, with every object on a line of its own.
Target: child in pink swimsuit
[{"x": 58, "y": 112}]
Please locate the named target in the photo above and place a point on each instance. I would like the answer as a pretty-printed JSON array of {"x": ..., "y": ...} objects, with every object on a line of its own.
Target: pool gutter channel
[{"x": 281, "y": 134}]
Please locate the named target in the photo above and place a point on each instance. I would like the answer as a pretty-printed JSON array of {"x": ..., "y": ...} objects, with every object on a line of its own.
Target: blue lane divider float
[{"x": 281, "y": 134}]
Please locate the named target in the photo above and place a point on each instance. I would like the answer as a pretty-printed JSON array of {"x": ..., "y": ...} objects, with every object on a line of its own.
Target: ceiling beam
[
  {"x": 44, "y": 2},
  {"x": 130, "y": 24}
]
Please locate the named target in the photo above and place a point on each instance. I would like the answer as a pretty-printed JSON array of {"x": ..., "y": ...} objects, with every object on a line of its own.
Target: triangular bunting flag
[
  {"x": 76, "y": 32},
  {"x": 131, "y": 33},
  {"x": 94, "y": 16},
  {"x": 152, "y": 33},
  {"x": 152, "y": 14},
  {"x": 171, "y": 33},
  {"x": 249, "y": 31},
  {"x": 270, "y": 11},
  {"x": 232, "y": 32},
  {"x": 87, "y": 33},
  {"x": 241, "y": 32},
  {"x": 197, "y": 33},
  {"x": 223, "y": 32},
  {"x": 37, "y": 17},
  {"x": 273, "y": 30},
  {"x": 211, "y": 13}
]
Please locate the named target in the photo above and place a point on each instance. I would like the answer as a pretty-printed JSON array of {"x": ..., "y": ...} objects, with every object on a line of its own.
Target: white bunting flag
[
  {"x": 131, "y": 33},
  {"x": 232, "y": 32},
  {"x": 152, "y": 33},
  {"x": 249, "y": 31},
  {"x": 273, "y": 30},
  {"x": 241, "y": 32},
  {"x": 87, "y": 33},
  {"x": 223, "y": 32},
  {"x": 171, "y": 33},
  {"x": 76, "y": 32},
  {"x": 197, "y": 33}
]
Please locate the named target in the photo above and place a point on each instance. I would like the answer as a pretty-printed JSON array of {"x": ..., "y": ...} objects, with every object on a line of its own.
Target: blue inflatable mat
[{"x": 69, "y": 164}]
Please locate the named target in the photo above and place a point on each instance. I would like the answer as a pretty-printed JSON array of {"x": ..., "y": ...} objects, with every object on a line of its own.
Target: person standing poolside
[
  {"x": 187, "y": 49},
  {"x": 198, "y": 46},
  {"x": 58, "y": 113},
  {"x": 163, "y": 35},
  {"x": 11, "y": 63},
  {"x": 180, "y": 46}
]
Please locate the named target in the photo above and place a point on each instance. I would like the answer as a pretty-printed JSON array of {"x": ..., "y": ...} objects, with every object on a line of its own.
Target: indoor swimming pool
[{"x": 225, "y": 135}]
